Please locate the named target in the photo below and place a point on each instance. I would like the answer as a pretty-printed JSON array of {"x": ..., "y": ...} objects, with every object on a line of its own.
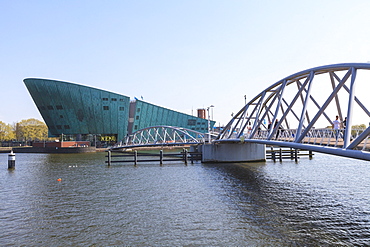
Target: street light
[{"x": 209, "y": 124}]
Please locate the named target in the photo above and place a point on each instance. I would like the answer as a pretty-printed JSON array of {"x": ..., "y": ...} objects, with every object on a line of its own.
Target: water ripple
[{"x": 320, "y": 202}]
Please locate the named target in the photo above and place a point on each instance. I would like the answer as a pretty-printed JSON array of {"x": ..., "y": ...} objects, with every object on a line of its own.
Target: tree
[
  {"x": 6, "y": 132},
  {"x": 357, "y": 129},
  {"x": 31, "y": 130}
]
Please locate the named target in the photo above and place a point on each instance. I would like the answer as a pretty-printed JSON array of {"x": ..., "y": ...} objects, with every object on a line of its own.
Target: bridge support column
[{"x": 233, "y": 152}]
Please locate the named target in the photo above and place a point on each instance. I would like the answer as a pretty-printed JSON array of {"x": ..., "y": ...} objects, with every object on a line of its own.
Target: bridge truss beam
[
  {"x": 163, "y": 136},
  {"x": 302, "y": 106}
]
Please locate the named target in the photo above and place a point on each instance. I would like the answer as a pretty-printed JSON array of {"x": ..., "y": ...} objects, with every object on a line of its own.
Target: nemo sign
[{"x": 108, "y": 138}]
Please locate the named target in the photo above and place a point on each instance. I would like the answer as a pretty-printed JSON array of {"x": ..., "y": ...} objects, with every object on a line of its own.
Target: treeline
[
  {"x": 24, "y": 131},
  {"x": 35, "y": 130}
]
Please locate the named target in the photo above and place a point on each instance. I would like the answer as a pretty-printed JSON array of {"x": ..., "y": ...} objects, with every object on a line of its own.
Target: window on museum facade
[
  {"x": 191, "y": 122},
  {"x": 59, "y": 127},
  {"x": 50, "y": 107},
  {"x": 105, "y": 99},
  {"x": 66, "y": 127},
  {"x": 114, "y": 99},
  {"x": 105, "y": 107},
  {"x": 121, "y": 108},
  {"x": 59, "y": 107}
]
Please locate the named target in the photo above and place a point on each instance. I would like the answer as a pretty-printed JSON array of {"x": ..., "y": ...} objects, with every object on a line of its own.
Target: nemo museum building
[{"x": 81, "y": 113}]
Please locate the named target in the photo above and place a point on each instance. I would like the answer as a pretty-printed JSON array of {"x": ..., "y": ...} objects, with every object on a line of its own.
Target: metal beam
[
  {"x": 335, "y": 91},
  {"x": 304, "y": 109},
  {"x": 347, "y": 134}
]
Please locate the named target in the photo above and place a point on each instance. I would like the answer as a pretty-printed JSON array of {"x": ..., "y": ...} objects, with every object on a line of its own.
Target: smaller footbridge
[{"x": 164, "y": 136}]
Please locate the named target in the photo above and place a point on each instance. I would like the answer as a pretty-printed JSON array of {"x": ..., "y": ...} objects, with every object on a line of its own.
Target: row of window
[
  {"x": 106, "y": 108},
  {"x": 198, "y": 128},
  {"x": 50, "y": 107},
  {"x": 193, "y": 122},
  {"x": 136, "y": 127},
  {"x": 59, "y": 127},
  {"x": 112, "y": 99},
  {"x": 59, "y": 107}
]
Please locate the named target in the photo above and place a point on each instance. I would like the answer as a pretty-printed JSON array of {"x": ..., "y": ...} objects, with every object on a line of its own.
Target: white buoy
[{"x": 11, "y": 160}]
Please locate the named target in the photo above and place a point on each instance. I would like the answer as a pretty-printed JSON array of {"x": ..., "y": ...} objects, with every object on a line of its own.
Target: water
[{"x": 319, "y": 202}]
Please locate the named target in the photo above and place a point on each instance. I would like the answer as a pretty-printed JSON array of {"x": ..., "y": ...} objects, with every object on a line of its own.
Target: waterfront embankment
[{"x": 30, "y": 149}]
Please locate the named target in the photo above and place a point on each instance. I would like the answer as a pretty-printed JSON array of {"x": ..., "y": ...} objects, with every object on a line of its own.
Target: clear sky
[{"x": 182, "y": 55}]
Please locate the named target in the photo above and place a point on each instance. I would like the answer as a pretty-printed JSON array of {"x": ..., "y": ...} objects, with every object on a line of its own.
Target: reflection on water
[{"x": 319, "y": 202}]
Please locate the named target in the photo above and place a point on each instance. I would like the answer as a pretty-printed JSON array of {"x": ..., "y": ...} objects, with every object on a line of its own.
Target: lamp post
[{"x": 209, "y": 124}]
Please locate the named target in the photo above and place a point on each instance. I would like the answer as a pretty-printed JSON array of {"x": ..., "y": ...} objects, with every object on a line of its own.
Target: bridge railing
[
  {"x": 322, "y": 137},
  {"x": 164, "y": 136}
]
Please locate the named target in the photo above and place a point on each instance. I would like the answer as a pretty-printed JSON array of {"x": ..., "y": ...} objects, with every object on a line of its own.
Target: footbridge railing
[
  {"x": 164, "y": 136},
  {"x": 323, "y": 137}
]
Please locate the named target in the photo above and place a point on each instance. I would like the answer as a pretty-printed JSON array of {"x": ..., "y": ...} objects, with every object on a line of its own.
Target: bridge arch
[
  {"x": 163, "y": 136},
  {"x": 299, "y": 110}
]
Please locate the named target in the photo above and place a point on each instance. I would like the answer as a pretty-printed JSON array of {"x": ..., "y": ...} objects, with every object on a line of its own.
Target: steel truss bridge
[
  {"x": 298, "y": 112},
  {"x": 164, "y": 136}
]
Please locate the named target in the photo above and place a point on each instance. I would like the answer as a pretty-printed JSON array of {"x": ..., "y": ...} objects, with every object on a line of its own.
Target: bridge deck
[{"x": 330, "y": 142}]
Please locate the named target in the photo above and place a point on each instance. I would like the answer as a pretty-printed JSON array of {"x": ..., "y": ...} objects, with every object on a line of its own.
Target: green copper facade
[
  {"x": 72, "y": 109},
  {"x": 146, "y": 115}
]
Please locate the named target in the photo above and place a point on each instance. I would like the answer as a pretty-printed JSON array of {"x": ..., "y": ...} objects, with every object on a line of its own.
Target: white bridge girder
[{"x": 163, "y": 136}]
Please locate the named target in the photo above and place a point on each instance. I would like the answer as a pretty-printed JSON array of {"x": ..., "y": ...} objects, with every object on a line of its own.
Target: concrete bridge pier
[{"x": 233, "y": 152}]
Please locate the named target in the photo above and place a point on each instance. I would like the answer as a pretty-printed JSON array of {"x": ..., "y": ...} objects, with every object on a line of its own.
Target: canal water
[{"x": 320, "y": 202}]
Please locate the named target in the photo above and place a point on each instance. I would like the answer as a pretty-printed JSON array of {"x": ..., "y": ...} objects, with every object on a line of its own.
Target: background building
[{"x": 78, "y": 112}]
